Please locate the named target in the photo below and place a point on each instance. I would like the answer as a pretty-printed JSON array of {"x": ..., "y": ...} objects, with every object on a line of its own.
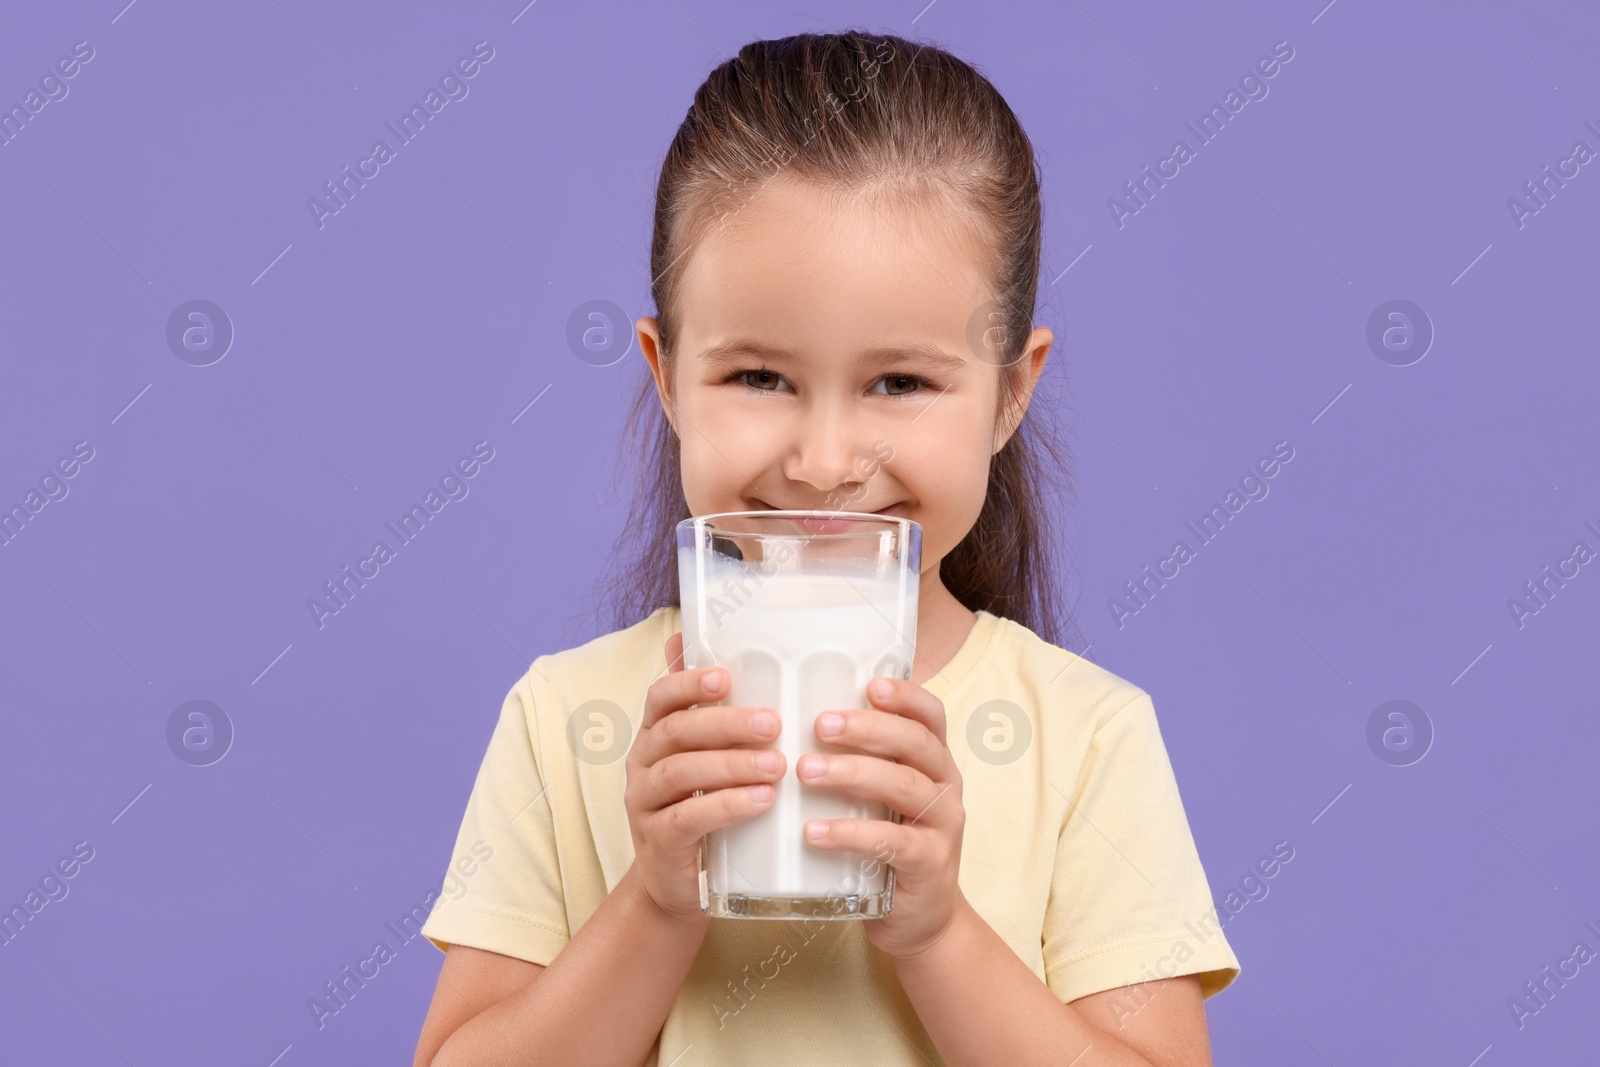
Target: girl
[{"x": 845, "y": 263}]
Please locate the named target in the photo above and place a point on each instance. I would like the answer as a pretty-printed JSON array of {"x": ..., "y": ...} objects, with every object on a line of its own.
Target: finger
[
  {"x": 680, "y": 826},
  {"x": 680, "y": 689},
  {"x": 905, "y": 848},
  {"x": 903, "y": 788},
  {"x": 883, "y": 733},
  {"x": 681, "y": 775},
  {"x": 910, "y": 700},
  {"x": 675, "y": 652},
  {"x": 713, "y": 726}
]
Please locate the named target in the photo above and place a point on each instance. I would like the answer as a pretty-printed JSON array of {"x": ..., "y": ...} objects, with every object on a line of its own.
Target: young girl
[{"x": 845, "y": 262}]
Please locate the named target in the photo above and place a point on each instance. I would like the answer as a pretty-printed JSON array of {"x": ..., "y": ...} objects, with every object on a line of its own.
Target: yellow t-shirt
[{"x": 1076, "y": 850}]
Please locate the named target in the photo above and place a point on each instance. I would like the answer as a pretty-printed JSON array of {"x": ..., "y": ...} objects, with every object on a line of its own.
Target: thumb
[{"x": 675, "y": 653}]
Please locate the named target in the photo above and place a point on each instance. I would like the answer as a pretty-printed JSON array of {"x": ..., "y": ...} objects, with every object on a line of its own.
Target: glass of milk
[{"x": 803, "y": 609}]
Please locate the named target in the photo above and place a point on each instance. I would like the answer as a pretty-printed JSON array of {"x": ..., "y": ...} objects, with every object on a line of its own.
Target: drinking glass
[{"x": 803, "y": 609}]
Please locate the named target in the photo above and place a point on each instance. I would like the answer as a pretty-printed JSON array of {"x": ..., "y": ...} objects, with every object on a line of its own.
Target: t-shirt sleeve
[
  {"x": 507, "y": 897},
  {"x": 1129, "y": 902}
]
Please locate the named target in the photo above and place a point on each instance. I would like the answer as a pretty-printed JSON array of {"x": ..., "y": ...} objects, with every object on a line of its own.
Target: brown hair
[{"x": 849, "y": 110}]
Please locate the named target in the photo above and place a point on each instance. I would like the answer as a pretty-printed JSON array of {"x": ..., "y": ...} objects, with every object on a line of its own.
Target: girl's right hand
[{"x": 681, "y": 749}]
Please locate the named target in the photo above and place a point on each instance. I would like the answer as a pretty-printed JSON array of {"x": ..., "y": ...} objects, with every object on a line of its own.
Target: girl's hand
[
  {"x": 923, "y": 786},
  {"x": 678, "y": 750}
]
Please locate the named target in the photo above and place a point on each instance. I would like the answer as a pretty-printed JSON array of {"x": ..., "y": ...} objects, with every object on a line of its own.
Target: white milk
[{"x": 800, "y": 643}]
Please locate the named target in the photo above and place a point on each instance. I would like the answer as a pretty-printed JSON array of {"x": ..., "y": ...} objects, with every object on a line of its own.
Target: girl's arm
[
  {"x": 606, "y": 994},
  {"x": 981, "y": 1004},
  {"x": 594, "y": 1004},
  {"x": 976, "y": 998}
]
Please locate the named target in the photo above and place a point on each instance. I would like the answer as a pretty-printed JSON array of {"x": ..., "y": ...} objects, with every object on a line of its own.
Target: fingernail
[
  {"x": 712, "y": 681},
  {"x": 768, "y": 761},
  {"x": 764, "y": 723},
  {"x": 816, "y": 830},
  {"x": 830, "y": 724},
  {"x": 811, "y": 766},
  {"x": 761, "y": 792},
  {"x": 881, "y": 689}
]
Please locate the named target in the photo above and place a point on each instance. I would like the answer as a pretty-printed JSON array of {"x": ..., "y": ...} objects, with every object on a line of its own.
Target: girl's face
[{"x": 823, "y": 362}]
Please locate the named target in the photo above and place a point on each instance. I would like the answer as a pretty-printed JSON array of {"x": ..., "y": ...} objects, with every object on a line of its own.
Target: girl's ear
[
  {"x": 649, "y": 332},
  {"x": 1034, "y": 351}
]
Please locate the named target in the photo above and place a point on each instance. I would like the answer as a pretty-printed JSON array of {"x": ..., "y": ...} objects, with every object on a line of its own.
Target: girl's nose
[
  {"x": 827, "y": 468},
  {"x": 831, "y": 454}
]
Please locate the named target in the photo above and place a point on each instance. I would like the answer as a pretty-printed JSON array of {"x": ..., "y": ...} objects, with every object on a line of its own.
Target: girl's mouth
[{"x": 823, "y": 524}]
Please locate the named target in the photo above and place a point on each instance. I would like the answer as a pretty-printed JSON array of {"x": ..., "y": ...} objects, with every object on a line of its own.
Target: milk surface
[{"x": 800, "y": 643}]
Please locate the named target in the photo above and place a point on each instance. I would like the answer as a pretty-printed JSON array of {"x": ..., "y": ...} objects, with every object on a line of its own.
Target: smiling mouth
[{"x": 764, "y": 506}]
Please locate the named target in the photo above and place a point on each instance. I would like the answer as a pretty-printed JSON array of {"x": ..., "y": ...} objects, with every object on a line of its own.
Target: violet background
[{"x": 1228, "y": 314}]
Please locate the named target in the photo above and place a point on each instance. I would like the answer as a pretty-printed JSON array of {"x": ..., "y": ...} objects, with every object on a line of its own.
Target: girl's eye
[
  {"x": 760, "y": 379},
  {"x": 895, "y": 385},
  {"x": 911, "y": 384}
]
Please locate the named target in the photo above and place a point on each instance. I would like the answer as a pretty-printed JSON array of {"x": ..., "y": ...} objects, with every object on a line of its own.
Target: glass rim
[{"x": 904, "y": 525}]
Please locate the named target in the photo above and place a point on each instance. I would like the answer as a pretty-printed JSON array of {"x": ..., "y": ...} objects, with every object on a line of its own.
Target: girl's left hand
[{"x": 923, "y": 786}]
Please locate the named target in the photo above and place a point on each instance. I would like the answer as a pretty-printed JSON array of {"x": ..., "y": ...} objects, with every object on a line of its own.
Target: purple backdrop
[{"x": 230, "y": 463}]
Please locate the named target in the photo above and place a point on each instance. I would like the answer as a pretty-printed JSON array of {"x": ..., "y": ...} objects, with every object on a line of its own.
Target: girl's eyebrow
[{"x": 738, "y": 350}]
